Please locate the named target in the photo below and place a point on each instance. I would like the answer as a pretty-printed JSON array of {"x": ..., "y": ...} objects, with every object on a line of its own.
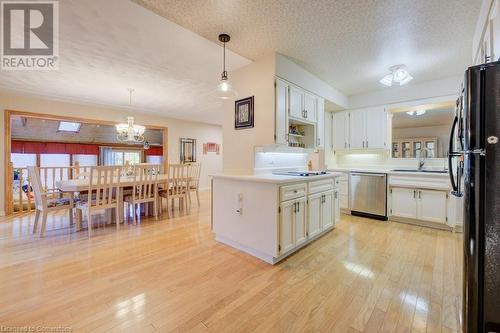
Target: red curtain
[{"x": 154, "y": 151}]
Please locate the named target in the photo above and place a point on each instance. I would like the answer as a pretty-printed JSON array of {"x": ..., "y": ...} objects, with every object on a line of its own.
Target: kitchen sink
[{"x": 416, "y": 170}]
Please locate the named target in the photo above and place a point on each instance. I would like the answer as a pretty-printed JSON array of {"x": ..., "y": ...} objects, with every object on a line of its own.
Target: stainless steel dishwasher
[{"x": 368, "y": 194}]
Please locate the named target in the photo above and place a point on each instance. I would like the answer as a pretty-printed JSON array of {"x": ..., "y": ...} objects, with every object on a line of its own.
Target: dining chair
[
  {"x": 104, "y": 185},
  {"x": 145, "y": 189},
  {"x": 44, "y": 201},
  {"x": 177, "y": 185},
  {"x": 194, "y": 181}
]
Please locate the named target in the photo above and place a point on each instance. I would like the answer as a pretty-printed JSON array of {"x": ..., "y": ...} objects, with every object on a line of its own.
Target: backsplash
[
  {"x": 267, "y": 162},
  {"x": 381, "y": 160}
]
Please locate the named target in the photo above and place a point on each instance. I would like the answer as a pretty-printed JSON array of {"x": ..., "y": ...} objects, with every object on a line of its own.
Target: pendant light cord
[{"x": 224, "y": 74}]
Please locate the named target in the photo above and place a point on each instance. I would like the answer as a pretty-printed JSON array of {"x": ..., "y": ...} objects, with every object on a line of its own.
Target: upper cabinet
[
  {"x": 300, "y": 119},
  {"x": 360, "y": 129}
]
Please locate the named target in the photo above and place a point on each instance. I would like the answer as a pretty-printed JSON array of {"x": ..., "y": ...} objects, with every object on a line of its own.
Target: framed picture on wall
[
  {"x": 187, "y": 150},
  {"x": 243, "y": 113}
]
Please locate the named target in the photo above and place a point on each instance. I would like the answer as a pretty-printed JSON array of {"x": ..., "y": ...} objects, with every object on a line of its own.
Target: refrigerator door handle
[{"x": 456, "y": 191}]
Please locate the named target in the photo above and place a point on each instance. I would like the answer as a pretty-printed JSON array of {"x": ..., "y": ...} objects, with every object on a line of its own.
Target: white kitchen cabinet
[
  {"x": 327, "y": 211},
  {"x": 357, "y": 129},
  {"x": 296, "y": 105},
  {"x": 376, "y": 128},
  {"x": 286, "y": 226},
  {"x": 340, "y": 128},
  {"x": 336, "y": 206},
  {"x": 309, "y": 106},
  {"x": 314, "y": 214},
  {"x": 419, "y": 204},
  {"x": 300, "y": 221},
  {"x": 320, "y": 127},
  {"x": 281, "y": 123},
  {"x": 403, "y": 202},
  {"x": 431, "y": 206},
  {"x": 368, "y": 128}
]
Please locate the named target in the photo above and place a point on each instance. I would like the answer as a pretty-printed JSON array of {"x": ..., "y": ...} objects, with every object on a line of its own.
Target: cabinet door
[
  {"x": 336, "y": 206},
  {"x": 404, "y": 202},
  {"x": 310, "y": 107},
  {"x": 295, "y": 99},
  {"x": 286, "y": 226},
  {"x": 300, "y": 222},
  {"x": 340, "y": 130},
  {"x": 320, "y": 127},
  {"x": 431, "y": 206},
  {"x": 357, "y": 129},
  {"x": 327, "y": 210},
  {"x": 281, "y": 126},
  {"x": 314, "y": 216},
  {"x": 376, "y": 128}
]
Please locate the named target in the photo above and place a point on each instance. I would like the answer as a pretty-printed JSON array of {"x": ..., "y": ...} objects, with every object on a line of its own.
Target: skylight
[{"x": 66, "y": 126}]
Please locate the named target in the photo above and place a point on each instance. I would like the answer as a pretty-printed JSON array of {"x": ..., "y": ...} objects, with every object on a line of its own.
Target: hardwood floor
[{"x": 171, "y": 275}]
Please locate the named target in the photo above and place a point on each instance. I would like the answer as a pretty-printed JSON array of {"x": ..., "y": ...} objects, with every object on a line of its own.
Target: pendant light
[
  {"x": 224, "y": 89},
  {"x": 130, "y": 132}
]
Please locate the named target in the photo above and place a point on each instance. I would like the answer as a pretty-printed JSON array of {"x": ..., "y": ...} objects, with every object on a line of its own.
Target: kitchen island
[{"x": 272, "y": 216}]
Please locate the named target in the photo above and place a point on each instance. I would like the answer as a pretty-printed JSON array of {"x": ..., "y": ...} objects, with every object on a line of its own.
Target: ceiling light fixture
[
  {"x": 416, "y": 113},
  {"x": 224, "y": 89},
  {"x": 129, "y": 132},
  {"x": 399, "y": 74}
]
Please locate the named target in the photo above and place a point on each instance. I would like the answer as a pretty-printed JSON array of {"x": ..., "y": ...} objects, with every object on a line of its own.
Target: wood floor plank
[{"x": 171, "y": 275}]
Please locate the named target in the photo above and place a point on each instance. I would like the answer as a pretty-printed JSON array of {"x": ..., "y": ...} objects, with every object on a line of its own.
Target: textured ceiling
[
  {"x": 108, "y": 46},
  {"x": 348, "y": 43}
]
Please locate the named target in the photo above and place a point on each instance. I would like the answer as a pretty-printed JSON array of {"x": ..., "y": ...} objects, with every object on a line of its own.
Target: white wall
[
  {"x": 211, "y": 163},
  {"x": 256, "y": 79}
]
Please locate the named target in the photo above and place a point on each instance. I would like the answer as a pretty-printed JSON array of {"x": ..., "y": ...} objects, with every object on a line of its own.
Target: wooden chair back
[
  {"x": 36, "y": 184},
  {"x": 146, "y": 176},
  {"x": 194, "y": 175},
  {"x": 178, "y": 175},
  {"x": 103, "y": 185}
]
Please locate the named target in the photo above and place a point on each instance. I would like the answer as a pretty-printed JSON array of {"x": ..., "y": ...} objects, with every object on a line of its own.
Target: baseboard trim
[{"x": 420, "y": 223}]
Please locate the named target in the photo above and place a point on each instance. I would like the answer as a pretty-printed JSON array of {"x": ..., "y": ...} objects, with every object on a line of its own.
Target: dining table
[{"x": 82, "y": 185}]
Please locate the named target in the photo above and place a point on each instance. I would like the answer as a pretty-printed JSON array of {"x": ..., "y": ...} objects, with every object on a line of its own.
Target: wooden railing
[{"x": 22, "y": 199}]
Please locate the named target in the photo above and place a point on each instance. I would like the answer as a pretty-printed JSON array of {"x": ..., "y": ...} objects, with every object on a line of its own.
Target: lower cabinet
[
  {"x": 303, "y": 218},
  {"x": 420, "y": 204}
]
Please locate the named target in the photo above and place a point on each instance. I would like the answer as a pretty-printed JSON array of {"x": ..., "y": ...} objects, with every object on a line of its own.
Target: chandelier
[{"x": 129, "y": 132}]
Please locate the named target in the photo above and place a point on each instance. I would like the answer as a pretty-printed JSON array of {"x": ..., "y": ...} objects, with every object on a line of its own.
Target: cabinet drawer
[
  {"x": 289, "y": 192},
  {"x": 320, "y": 186}
]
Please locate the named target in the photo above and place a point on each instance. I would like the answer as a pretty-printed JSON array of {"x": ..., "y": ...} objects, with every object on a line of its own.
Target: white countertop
[
  {"x": 390, "y": 171},
  {"x": 275, "y": 179}
]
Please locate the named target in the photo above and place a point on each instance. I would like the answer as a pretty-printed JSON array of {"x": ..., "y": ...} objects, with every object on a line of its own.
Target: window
[
  {"x": 23, "y": 160},
  {"x": 66, "y": 126},
  {"x": 154, "y": 159},
  {"x": 85, "y": 160},
  {"x": 120, "y": 157}
]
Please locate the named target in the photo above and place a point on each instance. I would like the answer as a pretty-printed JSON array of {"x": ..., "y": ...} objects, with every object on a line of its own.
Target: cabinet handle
[
  {"x": 414, "y": 194},
  {"x": 318, "y": 142},
  {"x": 366, "y": 143},
  {"x": 363, "y": 143},
  {"x": 295, "y": 207},
  {"x": 298, "y": 207},
  {"x": 306, "y": 114},
  {"x": 420, "y": 194},
  {"x": 345, "y": 144}
]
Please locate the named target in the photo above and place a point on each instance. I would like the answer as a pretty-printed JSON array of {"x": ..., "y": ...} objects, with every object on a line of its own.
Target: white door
[
  {"x": 431, "y": 206},
  {"x": 327, "y": 210},
  {"x": 286, "y": 226},
  {"x": 357, "y": 129},
  {"x": 320, "y": 127},
  {"x": 281, "y": 129},
  {"x": 314, "y": 218},
  {"x": 300, "y": 222},
  {"x": 340, "y": 130},
  {"x": 404, "y": 202},
  {"x": 296, "y": 106},
  {"x": 310, "y": 107},
  {"x": 376, "y": 128}
]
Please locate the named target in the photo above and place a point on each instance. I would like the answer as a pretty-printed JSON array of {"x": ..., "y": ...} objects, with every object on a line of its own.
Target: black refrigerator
[{"x": 474, "y": 163}]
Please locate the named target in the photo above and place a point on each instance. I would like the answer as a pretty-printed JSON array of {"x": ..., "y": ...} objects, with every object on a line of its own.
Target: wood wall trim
[{"x": 9, "y": 207}]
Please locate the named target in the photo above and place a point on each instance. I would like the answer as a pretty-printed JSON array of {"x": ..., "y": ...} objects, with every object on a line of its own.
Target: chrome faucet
[{"x": 421, "y": 158}]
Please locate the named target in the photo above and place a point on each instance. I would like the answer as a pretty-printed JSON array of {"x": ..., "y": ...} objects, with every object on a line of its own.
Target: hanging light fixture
[
  {"x": 224, "y": 89},
  {"x": 399, "y": 74},
  {"x": 416, "y": 113},
  {"x": 129, "y": 132}
]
